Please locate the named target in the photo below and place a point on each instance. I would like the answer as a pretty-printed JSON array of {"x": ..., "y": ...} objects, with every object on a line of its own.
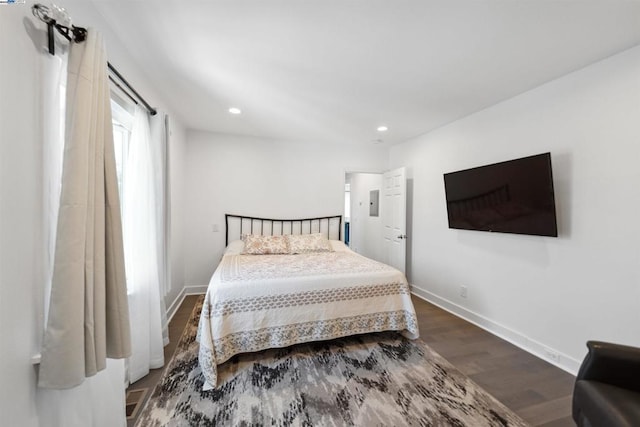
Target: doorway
[
  {"x": 375, "y": 215},
  {"x": 363, "y": 225}
]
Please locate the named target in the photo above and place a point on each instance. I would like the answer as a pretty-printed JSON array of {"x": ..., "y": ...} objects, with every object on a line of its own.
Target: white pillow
[
  {"x": 234, "y": 248},
  {"x": 338, "y": 246}
]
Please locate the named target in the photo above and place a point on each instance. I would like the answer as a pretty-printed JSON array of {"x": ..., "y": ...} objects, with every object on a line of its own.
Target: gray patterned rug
[{"x": 368, "y": 380}]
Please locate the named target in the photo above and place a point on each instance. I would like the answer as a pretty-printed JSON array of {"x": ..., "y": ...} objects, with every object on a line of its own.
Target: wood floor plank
[
  {"x": 561, "y": 422},
  {"x": 547, "y": 411}
]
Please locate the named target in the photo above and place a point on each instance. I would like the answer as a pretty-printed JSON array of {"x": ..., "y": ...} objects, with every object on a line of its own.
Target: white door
[{"x": 394, "y": 217}]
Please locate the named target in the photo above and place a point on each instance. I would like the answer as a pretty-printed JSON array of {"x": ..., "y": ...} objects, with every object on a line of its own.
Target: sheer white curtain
[
  {"x": 54, "y": 84},
  {"x": 160, "y": 136},
  {"x": 142, "y": 255}
]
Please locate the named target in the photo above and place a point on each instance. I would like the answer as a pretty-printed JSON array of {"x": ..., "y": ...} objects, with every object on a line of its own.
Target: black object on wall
[{"x": 515, "y": 196}]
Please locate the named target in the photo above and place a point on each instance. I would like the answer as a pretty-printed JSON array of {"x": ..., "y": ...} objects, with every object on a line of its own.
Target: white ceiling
[{"x": 333, "y": 70}]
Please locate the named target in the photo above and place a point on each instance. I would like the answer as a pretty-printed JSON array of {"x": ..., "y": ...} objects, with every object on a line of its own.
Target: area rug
[{"x": 369, "y": 380}]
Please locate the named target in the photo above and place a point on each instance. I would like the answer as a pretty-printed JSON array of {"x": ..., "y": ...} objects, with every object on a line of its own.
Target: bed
[{"x": 309, "y": 288}]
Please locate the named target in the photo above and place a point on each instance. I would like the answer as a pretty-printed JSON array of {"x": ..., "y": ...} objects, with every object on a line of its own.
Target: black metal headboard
[{"x": 237, "y": 225}]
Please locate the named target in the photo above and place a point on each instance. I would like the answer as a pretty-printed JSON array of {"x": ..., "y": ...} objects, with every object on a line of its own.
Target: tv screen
[{"x": 515, "y": 196}]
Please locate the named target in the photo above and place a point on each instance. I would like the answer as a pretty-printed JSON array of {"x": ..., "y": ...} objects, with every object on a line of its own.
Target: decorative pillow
[
  {"x": 265, "y": 245},
  {"x": 308, "y": 243}
]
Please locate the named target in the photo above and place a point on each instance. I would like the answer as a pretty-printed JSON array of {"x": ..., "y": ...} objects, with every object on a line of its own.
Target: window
[{"x": 122, "y": 119}]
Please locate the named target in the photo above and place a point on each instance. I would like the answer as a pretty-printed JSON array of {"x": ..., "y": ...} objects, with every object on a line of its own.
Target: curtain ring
[{"x": 42, "y": 12}]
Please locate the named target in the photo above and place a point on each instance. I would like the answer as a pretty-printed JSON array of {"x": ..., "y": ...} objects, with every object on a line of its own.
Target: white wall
[
  {"x": 541, "y": 293},
  {"x": 256, "y": 177},
  {"x": 22, "y": 244},
  {"x": 177, "y": 153},
  {"x": 365, "y": 230},
  {"x": 21, "y": 248}
]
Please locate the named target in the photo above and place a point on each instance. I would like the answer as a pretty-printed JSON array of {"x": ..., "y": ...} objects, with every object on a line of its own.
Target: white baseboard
[
  {"x": 195, "y": 290},
  {"x": 173, "y": 307},
  {"x": 187, "y": 290},
  {"x": 538, "y": 349}
]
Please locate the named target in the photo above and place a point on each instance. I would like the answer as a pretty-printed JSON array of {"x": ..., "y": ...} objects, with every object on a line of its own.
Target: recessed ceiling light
[
  {"x": 234, "y": 110},
  {"x": 382, "y": 128}
]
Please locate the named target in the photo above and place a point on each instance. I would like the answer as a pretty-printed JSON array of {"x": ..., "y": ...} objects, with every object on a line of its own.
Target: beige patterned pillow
[
  {"x": 264, "y": 245},
  {"x": 308, "y": 243}
]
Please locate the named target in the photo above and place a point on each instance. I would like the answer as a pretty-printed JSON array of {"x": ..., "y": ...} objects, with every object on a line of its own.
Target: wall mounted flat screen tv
[{"x": 515, "y": 196}]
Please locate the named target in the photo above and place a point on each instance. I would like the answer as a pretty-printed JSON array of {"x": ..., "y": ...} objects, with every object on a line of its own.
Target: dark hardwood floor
[
  {"x": 537, "y": 391},
  {"x": 148, "y": 383}
]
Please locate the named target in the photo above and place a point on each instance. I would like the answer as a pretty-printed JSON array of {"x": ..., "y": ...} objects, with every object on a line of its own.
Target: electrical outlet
[{"x": 463, "y": 291}]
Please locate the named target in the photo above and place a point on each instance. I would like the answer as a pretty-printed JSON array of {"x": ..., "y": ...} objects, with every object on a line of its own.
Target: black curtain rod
[
  {"x": 123, "y": 90},
  {"x": 77, "y": 35},
  {"x": 149, "y": 108}
]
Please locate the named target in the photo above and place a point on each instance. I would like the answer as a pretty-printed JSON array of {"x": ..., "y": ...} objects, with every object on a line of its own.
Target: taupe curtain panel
[{"x": 88, "y": 314}]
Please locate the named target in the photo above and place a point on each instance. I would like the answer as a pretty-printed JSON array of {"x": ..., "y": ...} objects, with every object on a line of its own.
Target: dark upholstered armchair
[{"x": 607, "y": 388}]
